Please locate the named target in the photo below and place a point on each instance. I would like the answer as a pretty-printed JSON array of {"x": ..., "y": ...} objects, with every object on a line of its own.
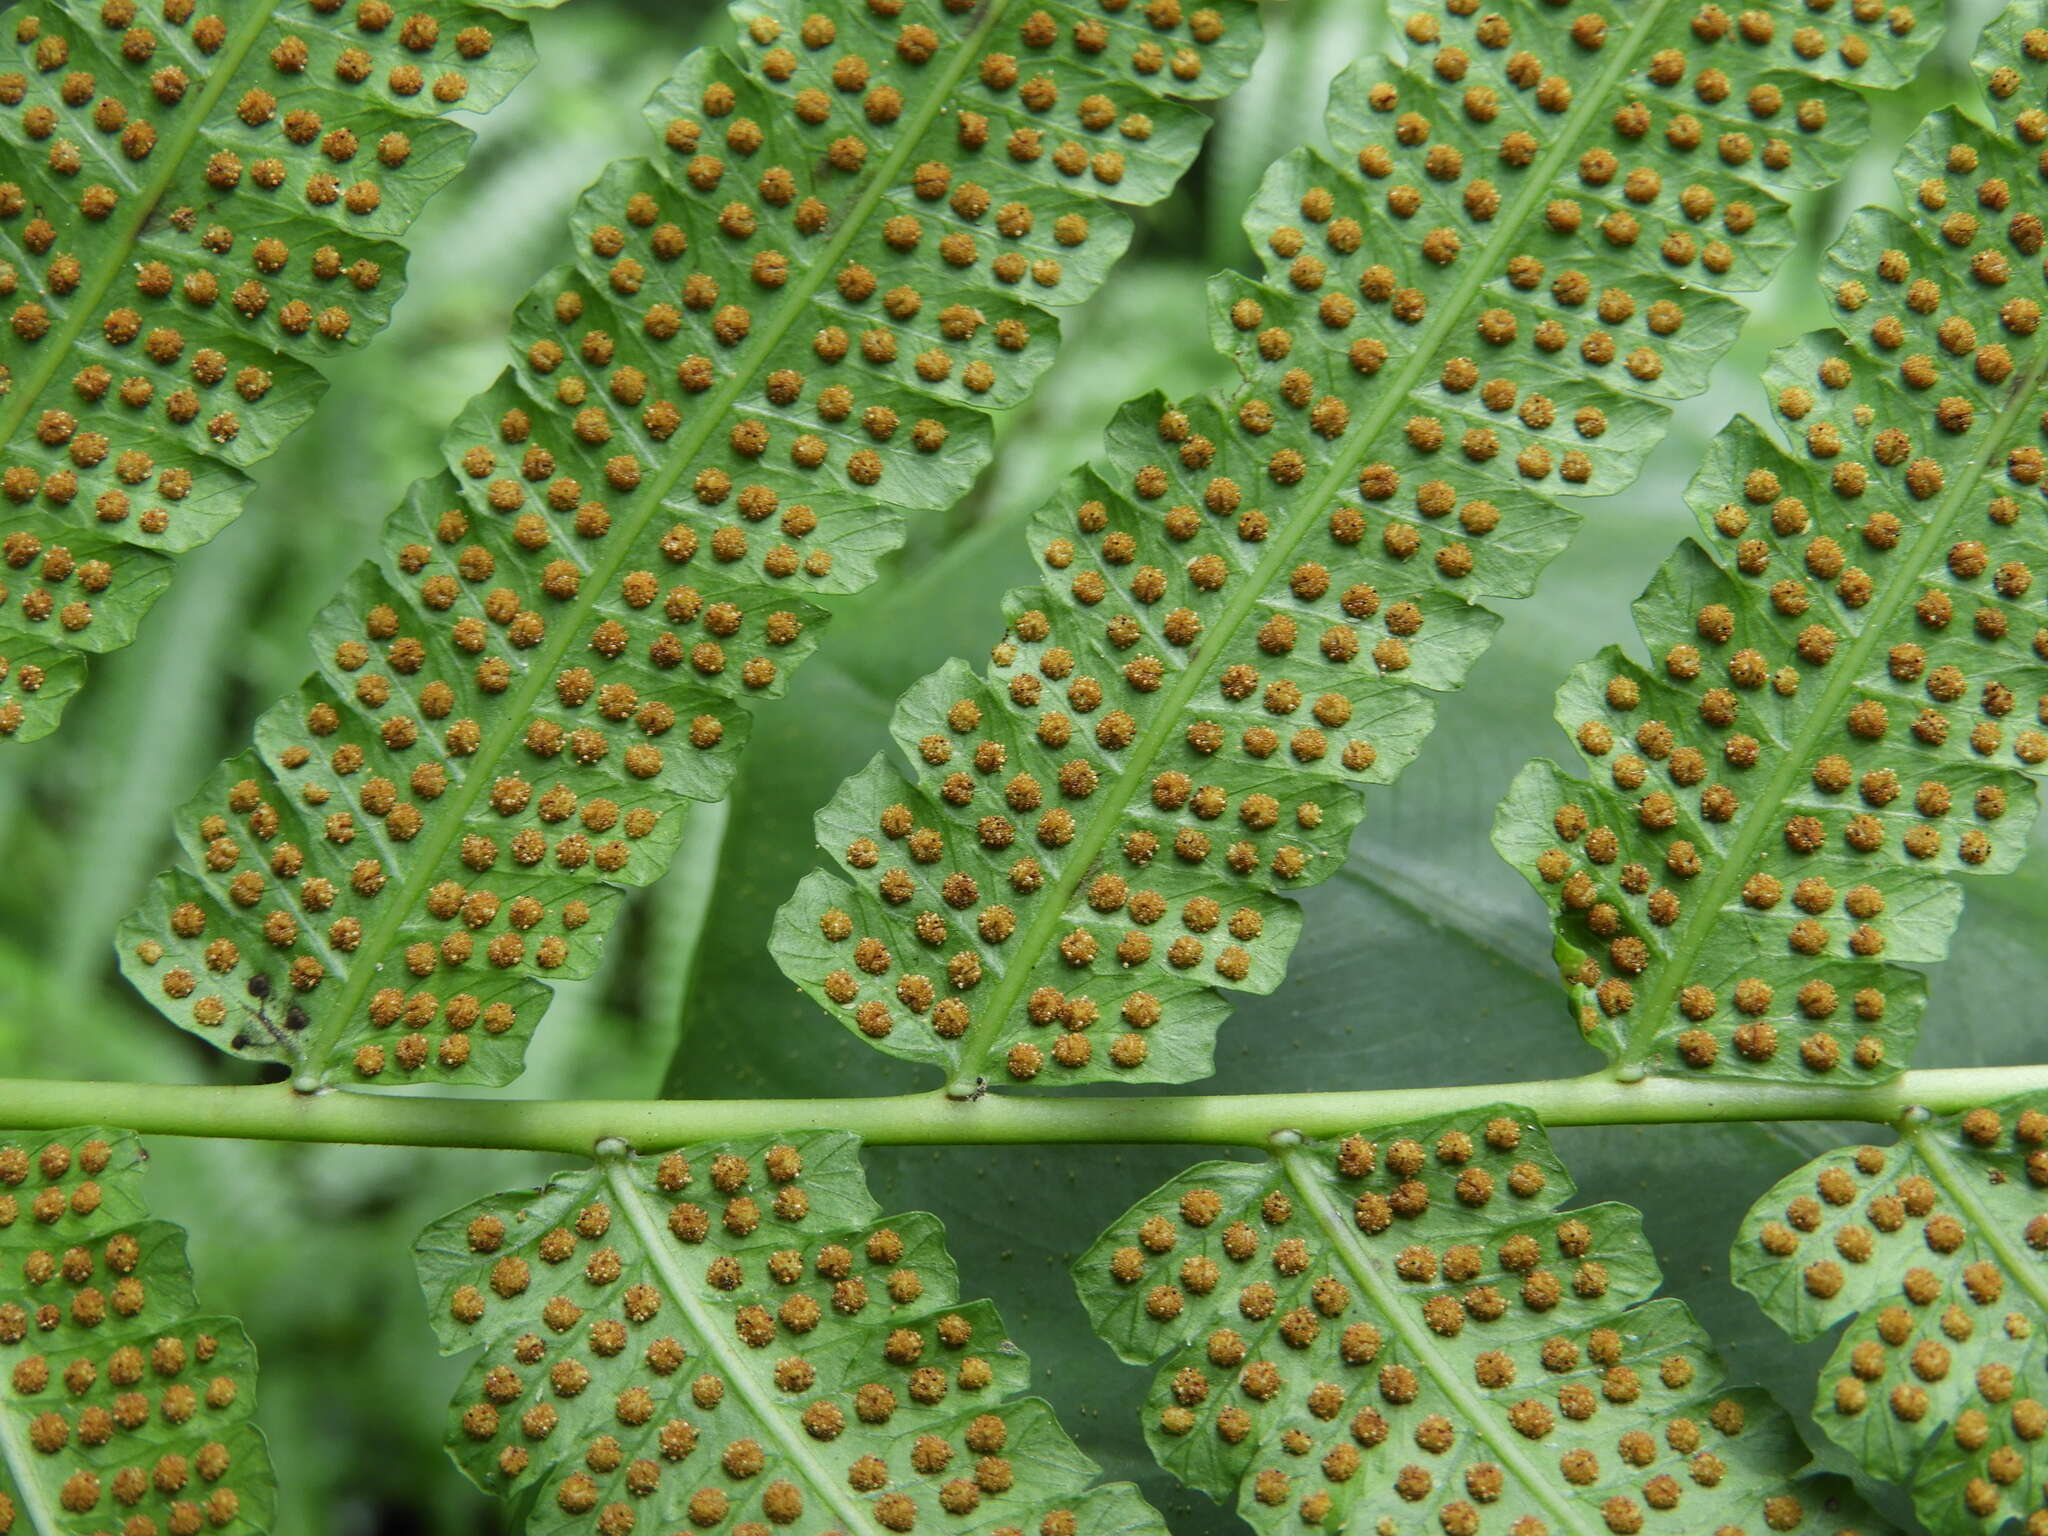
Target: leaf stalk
[{"x": 274, "y": 1112}]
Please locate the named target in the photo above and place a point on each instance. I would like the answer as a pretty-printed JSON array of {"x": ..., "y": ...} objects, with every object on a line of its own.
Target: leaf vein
[
  {"x": 426, "y": 865},
  {"x": 1388, "y": 1304},
  {"x": 1529, "y": 197}
]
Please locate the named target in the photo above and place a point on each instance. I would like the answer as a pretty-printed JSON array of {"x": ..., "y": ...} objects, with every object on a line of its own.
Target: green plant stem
[{"x": 275, "y": 1112}]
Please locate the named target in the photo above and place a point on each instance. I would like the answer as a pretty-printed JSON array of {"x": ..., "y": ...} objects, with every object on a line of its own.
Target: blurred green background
[{"x": 310, "y": 1245}]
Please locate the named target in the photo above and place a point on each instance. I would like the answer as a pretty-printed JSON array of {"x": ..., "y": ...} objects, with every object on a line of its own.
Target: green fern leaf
[
  {"x": 730, "y": 1333},
  {"x": 776, "y": 339},
  {"x": 1851, "y": 671},
  {"x": 198, "y": 206},
  {"x": 1408, "y": 1334},
  {"x": 1931, "y": 1252},
  {"x": 1252, "y": 599},
  {"x": 124, "y": 1405}
]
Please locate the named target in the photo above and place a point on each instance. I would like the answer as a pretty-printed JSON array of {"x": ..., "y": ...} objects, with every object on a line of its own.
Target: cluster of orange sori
[
  {"x": 1015, "y": 773},
  {"x": 1478, "y": 313},
  {"x": 693, "y": 1337},
  {"x": 1923, "y": 1248},
  {"x": 1850, "y": 676},
  {"x": 129, "y": 1410},
  {"x": 1406, "y": 1326},
  {"x": 192, "y": 209},
  {"x": 773, "y": 340},
  {"x": 1137, "y": 40},
  {"x": 1674, "y": 153}
]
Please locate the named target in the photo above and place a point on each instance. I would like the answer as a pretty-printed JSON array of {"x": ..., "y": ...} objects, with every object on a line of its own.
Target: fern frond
[
  {"x": 1851, "y": 670},
  {"x": 732, "y": 1334},
  {"x": 124, "y": 1405},
  {"x": 198, "y": 206},
  {"x": 1474, "y": 320},
  {"x": 1931, "y": 1252},
  {"x": 777, "y": 337},
  {"x": 1407, "y": 1333}
]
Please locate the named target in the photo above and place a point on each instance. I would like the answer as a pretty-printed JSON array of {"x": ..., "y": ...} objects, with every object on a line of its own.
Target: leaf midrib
[
  {"x": 733, "y": 1364},
  {"x": 1474, "y": 1408},
  {"x": 405, "y": 899},
  {"x": 1850, "y": 664},
  {"x": 2026, "y": 1273},
  {"x": 59, "y": 343},
  {"x": 1532, "y": 194}
]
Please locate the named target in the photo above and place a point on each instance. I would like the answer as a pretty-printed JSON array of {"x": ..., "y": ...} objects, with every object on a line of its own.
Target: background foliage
[{"x": 317, "y": 1265}]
